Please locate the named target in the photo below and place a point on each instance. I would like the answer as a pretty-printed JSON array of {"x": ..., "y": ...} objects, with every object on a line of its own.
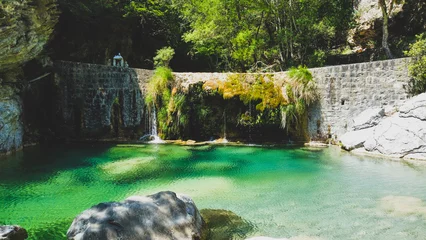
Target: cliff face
[
  {"x": 368, "y": 13},
  {"x": 11, "y": 129},
  {"x": 25, "y": 27}
]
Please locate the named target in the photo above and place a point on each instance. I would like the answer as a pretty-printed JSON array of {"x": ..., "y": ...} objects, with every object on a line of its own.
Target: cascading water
[
  {"x": 154, "y": 133},
  {"x": 153, "y": 128},
  {"x": 224, "y": 128}
]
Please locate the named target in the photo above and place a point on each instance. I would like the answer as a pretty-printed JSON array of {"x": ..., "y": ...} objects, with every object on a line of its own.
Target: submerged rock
[
  {"x": 224, "y": 224},
  {"x": 13, "y": 233},
  {"x": 164, "y": 215},
  {"x": 403, "y": 205}
]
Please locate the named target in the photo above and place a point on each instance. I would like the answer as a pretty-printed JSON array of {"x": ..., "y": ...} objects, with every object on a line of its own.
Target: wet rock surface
[{"x": 164, "y": 215}]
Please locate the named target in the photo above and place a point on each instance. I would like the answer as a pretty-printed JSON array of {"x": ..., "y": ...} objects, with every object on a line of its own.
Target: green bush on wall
[{"x": 417, "y": 67}]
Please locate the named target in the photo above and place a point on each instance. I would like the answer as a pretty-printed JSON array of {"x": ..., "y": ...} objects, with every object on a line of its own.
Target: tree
[
  {"x": 244, "y": 34},
  {"x": 417, "y": 67},
  {"x": 387, "y": 6}
]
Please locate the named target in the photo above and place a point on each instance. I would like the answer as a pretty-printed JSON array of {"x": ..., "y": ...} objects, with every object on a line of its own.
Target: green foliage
[
  {"x": 158, "y": 90},
  {"x": 317, "y": 59},
  {"x": 163, "y": 57},
  {"x": 301, "y": 91},
  {"x": 417, "y": 68},
  {"x": 243, "y": 33},
  {"x": 170, "y": 103},
  {"x": 253, "y": 87}
]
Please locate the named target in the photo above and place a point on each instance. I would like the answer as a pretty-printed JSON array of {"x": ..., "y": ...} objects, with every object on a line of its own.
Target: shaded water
[{"x": 283, "y": 192}]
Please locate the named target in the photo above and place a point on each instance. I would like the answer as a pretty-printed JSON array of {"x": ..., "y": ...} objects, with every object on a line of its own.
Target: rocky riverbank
[{"x": 398, "y": 133}]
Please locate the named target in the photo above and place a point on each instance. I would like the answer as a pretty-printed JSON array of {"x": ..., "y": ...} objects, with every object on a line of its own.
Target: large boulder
[
  {"x": 399, "y": 137},
  {"x": 13, "y": 233},
  {"x": 414, "y": 107},
  {"x": 355, "y": 139},
  {"x": 25, "y": 27},
  {"x": 164, "y": 215},
  {"x": 368, "y": 118},
  {"x": 11, "y": 127}
]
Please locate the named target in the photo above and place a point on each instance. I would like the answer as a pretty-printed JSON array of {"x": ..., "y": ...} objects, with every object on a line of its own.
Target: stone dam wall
[{"x": 89, "y": 92}]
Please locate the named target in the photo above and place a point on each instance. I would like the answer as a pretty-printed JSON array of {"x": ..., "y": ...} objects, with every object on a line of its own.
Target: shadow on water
[{"x": 40, "y": 163}]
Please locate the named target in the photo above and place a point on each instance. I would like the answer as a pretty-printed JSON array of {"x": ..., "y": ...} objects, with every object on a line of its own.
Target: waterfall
[
  {"x": 154, "y": 121},
  {"x": 153, "y": 125},
  {"x": 250, "y": 122},
  {"x": 224, "y": 128},
  {"x": 154, "y": 132}
]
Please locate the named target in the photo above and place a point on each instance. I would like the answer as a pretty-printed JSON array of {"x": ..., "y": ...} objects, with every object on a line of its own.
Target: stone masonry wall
[
  {"x": 88, "y": 93},
  {"x": 347, "y": 90},
  {"x": 90, "y": 90}
]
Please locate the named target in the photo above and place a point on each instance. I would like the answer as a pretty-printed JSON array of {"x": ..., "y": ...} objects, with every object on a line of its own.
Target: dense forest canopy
[{"x": 228, "y": 35}]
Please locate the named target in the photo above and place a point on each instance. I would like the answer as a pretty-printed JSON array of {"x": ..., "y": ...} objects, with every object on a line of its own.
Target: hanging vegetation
[
  {"x": 168, "y": 100},
  {"x": 284, "y": 101},
  {"x": 300, "y": 91},
  {"x": 417, "y": 67}
]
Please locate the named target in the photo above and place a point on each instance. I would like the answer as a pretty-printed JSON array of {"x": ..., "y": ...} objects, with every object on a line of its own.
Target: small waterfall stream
[
  {"x": 224, "y": 128},
  {"x": 152, "y": 127},
  {"x": 154, "y": 132}
]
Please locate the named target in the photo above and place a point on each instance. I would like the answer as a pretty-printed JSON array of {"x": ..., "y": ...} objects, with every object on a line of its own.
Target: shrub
[
  {"x": 417, "y": 68},
  {"x": 163, "y": 57}
]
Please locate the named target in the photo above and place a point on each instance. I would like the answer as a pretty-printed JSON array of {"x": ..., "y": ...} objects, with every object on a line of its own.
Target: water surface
[{"x": 282, "y": 191}]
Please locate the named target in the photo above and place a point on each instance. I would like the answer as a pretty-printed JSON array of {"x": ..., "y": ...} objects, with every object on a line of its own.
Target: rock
[
  {"x": 11, "y": 128},
  {"x": 414, "y": 107},
  {"x": 224, "y": 224},
  {"x": 398, "y": 137},
  {"x": 368, "y": 118},
  {"x": 368, "y": 12},
  {"x": 13, "y": 233},
  {"x": 26, "y": 26},
  {"x": 355, "y": 139},
  {"x": 164, "y": 215}
]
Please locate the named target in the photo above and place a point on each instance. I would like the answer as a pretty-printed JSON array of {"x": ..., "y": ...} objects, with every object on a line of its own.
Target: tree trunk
[{"x": 385, "y": 44}]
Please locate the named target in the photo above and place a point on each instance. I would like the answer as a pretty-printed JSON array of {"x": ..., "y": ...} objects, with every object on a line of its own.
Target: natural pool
[{"x": 282, "y": 191}]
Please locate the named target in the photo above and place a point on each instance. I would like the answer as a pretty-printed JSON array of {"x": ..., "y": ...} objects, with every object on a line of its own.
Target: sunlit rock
[
  {"x": 355, "y": 139},
  {"x": 415, "y": 108},
  {"x": 368, "y": 118},
  {"x": 164, "y": 215}
]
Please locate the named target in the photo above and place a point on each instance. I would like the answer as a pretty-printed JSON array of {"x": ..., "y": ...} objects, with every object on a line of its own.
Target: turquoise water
[{"x": 282, "y": 191}]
